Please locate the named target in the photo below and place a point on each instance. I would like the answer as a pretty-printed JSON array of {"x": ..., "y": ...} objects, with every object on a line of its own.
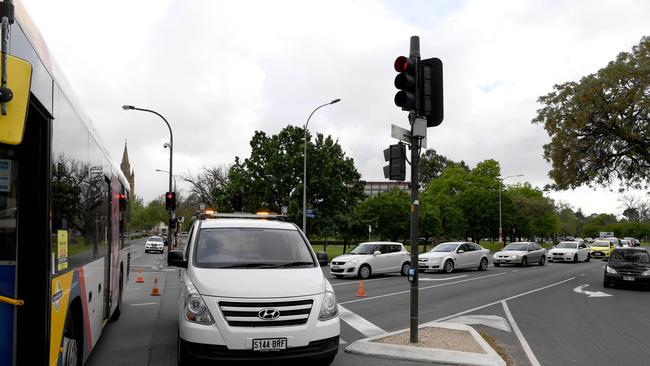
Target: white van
[{"x": 253, "y": 289}]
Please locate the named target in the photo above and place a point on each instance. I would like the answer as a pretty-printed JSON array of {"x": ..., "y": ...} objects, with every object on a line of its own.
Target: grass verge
[{"x": 500, "y": 350}]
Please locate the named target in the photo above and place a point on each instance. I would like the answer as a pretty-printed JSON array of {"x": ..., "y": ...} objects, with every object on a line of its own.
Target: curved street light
[
  {"x": 171, "y": 155},
  {"x": 304, "y": 169},
  {"x": 500, "y": 227}
]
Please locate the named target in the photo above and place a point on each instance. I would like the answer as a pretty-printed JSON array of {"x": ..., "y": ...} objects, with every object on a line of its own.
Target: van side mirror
[
  {"x": 322, "y": 258},
  {"x": 175, "y": 259}
]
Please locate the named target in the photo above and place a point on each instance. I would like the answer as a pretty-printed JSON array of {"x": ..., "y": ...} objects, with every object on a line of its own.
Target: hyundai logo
[{"x": 268, "y": 314}]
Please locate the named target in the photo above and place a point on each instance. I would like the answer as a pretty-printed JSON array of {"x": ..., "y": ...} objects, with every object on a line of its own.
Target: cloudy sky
[{"x": 220, "y": 70}]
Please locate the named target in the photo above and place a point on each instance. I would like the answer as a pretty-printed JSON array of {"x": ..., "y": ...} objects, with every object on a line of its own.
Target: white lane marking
[
  {"x": 582, "y": 274},
  {"x": 421, "y": 289},
  {"x": 493, "y": 321},
  {"x": 342, "y": 341},
  {"x": 529, "y": 352},
  {"x": 581, "y": 290},
  {"x": 145, "y": 304},
  {"x": 506, "y": 299},
  {"x": 357, "y": 322},
  {"x": 440, "y": 279},
  {"x": 356, "y": 282},
  {"x": 515, "y": 270}
]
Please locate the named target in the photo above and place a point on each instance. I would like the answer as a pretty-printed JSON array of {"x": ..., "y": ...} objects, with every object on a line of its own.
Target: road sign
[
  {"x": 404, "y": 135},
  {"x": 310, "y": 213}
]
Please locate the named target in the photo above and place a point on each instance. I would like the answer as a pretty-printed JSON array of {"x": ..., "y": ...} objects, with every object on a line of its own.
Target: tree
[
  {"x": 599, "y": 125},
  {"x": 388, "y": 213},
  {"x": 211, "y": 186},
  {"x": 432, "y": 165}
]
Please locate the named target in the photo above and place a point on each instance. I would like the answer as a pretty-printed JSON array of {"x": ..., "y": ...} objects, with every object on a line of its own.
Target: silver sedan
[{"x": 520, "y": 253}]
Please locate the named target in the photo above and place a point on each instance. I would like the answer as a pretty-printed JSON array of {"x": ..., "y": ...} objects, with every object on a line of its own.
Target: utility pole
[{"x": 414, "y": 53}]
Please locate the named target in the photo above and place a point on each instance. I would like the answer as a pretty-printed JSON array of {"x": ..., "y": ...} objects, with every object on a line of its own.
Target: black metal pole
[{"x": 415, "y": 204}]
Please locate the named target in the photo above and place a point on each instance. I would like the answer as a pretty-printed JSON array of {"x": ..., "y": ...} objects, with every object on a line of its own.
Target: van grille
[{"x": 246, "y": 314}]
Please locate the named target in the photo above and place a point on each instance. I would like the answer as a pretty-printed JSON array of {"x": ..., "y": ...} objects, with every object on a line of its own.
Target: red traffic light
[
  {"x": 404, "y": 64},
  {"x": 170, "y": 201}
]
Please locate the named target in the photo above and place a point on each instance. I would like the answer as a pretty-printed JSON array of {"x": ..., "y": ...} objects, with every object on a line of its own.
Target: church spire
[{"x": 126, "y": 167}]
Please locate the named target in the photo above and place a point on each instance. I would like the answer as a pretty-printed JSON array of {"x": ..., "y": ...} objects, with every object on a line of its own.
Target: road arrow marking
[
  {"x": 440, "y": 279},
  {"x": 493, "y": 321},
  {"x": 580, "y": 289}
]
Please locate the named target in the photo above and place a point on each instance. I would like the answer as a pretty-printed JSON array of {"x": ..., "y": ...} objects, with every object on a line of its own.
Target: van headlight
[
  {"x": 329, "y": 309},
  {"x": 195, "y": 309}
]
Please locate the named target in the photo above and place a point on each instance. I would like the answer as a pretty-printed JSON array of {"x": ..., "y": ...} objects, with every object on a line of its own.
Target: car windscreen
[
  {"x": 567, "y": 245},
  {"x": 251, "y": 248},
  {"x": 444, "y": 248},
  {"x": 365, "y": 249},
  {"x": 156, "y": 239},
  {"x": 600, "y": 244},
  {"x": 631, "y": 256},
  {"x": 518, "y": 246}
]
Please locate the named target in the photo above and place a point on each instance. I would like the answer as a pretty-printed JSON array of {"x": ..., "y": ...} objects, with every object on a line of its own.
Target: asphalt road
[{"x": 539, "y": 315}]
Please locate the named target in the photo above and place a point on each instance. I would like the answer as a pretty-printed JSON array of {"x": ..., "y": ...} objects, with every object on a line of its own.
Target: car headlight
[
  {"x": 612, "y": 270},
  {"x": 329, "y": 309},
  {"x": 515, "y": 256},
  {"x": 646, "y": 273},
  {"x": 435, "y": 259},
  {"x": 353, "y": 261},
  {"x": 195, "y": 309}
]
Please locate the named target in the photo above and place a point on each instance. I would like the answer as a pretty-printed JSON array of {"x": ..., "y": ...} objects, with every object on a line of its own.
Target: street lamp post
[
  {"x": 173, "y": 175},
  {"x": 304, "y": 170},
  {"x": 500, "y": 227},
  {"x": 171, "y": 156}
]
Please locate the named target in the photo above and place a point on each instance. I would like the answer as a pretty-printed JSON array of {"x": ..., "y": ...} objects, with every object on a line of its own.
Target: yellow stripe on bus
[
  {"x": 60, "y": 300},
  {"x": 12, "y": 125}
]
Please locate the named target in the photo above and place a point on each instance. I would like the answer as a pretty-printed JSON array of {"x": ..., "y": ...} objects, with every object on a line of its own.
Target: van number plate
[{"x": 269, "y": 344}]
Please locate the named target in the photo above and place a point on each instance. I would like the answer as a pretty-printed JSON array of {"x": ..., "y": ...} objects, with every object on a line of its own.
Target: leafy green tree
[
  {"x": 432, "y": 165},
  {"x": 569, "y": 223},
  {"x": 596, "y": 223},
  {"x": 599, "y": 125},
  {"x": 388, "y": 213}
]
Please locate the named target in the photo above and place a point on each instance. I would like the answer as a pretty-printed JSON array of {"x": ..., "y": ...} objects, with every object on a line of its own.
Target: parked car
[
  {"x": 628, "y": 266},
  {"x": 601, "y": 248},
  {"x": 635, "y": 242},
  {"x": 449, "y": 256},
  {"x": 626, "y": 243},
  {"x": 252, "y": 289},
  {"x": 370, "y": 258},
  {"x": 520, "y": 253},
  {"x": 569, "y": 251},
  {"x": 154, "y": 243}
]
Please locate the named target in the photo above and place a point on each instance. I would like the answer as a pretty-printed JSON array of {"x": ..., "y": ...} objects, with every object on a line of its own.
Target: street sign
[
  {"x": 284, "y": 210},
  {"x": 310, "y": 213},
  {"x": 404, "y": 135}
]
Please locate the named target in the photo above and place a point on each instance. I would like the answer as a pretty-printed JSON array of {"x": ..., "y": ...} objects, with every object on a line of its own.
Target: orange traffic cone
[
  {"x": 139, "y": 279},
  {"x": 155, "y": 291},
  {"x": 362, "y": 290}
]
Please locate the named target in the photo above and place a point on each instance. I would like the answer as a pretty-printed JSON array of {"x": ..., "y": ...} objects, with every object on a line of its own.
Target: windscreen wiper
[
  {"x": 250, "y": 265},
  {"x": 293, "y": 264}
]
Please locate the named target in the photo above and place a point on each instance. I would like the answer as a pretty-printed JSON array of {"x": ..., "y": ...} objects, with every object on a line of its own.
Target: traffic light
[
  {"x": 406, "y": 81},
  {"x": 431, "y": 107},
  {"x": 395, "y": 155},
  {"x": 170, "y": 201}
]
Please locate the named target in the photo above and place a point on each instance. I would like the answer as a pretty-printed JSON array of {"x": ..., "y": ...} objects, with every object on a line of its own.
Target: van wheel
[
  {"x": 405, "y": 268},
  {"x": 364, "y": 271}
]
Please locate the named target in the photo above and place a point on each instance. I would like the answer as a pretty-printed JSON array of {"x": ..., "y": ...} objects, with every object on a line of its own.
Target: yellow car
[{"x": 601, "y": 248}]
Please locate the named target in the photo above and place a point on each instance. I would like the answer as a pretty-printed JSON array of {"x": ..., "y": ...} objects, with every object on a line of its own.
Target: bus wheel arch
[{"x": 72, "y": 343}]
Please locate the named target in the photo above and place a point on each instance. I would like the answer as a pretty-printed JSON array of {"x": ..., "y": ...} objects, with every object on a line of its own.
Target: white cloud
[{"x": 220, "y": 70}]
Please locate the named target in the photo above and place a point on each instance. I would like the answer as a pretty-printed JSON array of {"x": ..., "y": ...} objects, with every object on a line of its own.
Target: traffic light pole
[{"x": 415, "y": 203}]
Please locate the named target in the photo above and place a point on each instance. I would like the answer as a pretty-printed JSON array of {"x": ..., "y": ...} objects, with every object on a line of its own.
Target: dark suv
[{"x": 628, "y": 266}]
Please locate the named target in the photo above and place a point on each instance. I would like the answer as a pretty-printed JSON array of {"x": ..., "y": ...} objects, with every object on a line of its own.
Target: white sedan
[
  {"x": 154, "y": 243},
  {"x": 569, "y": 251},
  {"x": 372, "y": 258},
  {"x": 449, "y": 256}
]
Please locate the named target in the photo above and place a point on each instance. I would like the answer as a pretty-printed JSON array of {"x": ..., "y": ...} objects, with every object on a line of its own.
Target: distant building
[
  {"x": 126, "y": 169},
  {"x": 373, "y": 188}
]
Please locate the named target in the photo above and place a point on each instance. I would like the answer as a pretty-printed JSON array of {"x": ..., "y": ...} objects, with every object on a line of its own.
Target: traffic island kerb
[{"x": 465, "y": 346}]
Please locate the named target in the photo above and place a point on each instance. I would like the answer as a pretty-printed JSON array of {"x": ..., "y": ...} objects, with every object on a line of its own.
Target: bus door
[
  {"x": 108, "y": 251},
  {"x": 25, "y": 243}
]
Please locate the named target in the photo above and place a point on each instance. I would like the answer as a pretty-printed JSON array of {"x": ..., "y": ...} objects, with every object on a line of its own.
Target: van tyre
[
  {"x": 449, "y": 266},
  {"x": 364, "y": 271},
  {"x": 405, "y": 268}
]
